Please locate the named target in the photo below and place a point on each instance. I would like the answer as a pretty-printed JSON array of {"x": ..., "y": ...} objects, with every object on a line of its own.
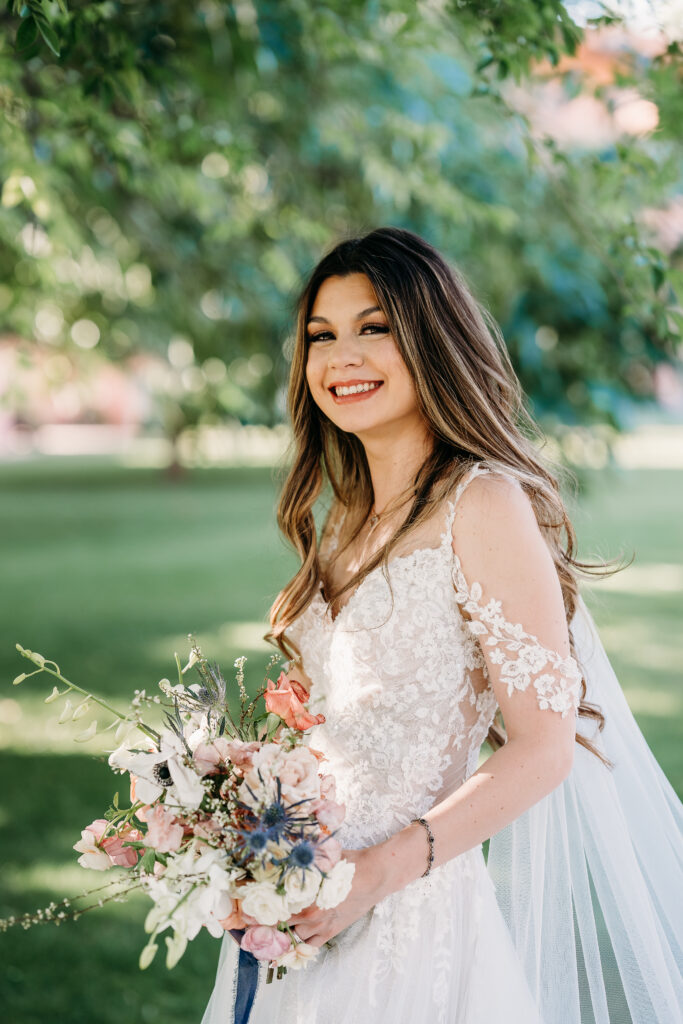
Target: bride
[{"x": 440, "y": 606}]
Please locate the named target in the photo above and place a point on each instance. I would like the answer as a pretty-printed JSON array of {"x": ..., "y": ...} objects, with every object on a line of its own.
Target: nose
[{"x": 345, "y": 351}]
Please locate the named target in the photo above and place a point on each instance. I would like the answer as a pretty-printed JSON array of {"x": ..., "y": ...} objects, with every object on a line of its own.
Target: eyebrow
[{"x": 359, "y": 316}]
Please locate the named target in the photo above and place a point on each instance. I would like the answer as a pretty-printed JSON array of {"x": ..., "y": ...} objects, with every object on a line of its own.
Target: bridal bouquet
[{"x": 231, "y": 821}]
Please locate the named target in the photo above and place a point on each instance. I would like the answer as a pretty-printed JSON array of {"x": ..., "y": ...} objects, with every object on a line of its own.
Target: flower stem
[{"x": 43, "y": 667}]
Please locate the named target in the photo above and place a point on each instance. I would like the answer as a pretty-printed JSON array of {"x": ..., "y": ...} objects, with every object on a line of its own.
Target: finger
[{"x": 303, "y": 917}]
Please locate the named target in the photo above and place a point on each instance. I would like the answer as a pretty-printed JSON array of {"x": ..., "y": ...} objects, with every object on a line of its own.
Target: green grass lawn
[{"x": 106, "y": 570}]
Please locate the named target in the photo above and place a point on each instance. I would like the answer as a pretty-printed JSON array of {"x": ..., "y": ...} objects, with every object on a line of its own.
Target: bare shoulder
[
  {"x": 495, "y": 533},
  {"x": 492, "y": 499}
]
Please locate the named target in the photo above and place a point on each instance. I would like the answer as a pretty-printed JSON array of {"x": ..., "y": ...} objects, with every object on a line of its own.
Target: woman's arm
[{"x": 498, "y": 544}]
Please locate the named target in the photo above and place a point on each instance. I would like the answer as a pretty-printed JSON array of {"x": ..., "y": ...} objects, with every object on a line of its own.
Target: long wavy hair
[{"x": 469, "y": 395}]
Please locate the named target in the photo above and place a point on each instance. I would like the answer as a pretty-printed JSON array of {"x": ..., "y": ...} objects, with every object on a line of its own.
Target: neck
[{"x": 394, "y": 463}]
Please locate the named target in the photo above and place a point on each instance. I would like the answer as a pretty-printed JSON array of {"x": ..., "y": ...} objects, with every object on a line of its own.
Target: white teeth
[{"x": 354, "y": 389}]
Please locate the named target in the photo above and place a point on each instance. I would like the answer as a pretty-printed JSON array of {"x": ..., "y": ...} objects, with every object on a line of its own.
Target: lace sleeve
[{"x": 496, "y": 540}]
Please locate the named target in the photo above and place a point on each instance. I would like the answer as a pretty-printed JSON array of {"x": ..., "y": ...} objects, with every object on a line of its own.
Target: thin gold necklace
[{"x": 374, "y": 517}]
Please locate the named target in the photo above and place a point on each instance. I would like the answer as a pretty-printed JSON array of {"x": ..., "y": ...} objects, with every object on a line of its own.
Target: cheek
[
  {"x": 310, "y": 370},
  {"x": 315, "y": 370},
  {"x": 400, "y": 376}
]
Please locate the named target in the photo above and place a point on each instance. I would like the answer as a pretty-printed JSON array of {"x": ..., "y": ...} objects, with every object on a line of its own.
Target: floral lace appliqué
[{"x": 522, "y": 658}]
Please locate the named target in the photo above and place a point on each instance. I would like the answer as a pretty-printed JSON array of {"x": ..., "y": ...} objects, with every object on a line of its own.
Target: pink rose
[
  {"x": 299, "y": 775},
  {"x": 164, "y": 833},
  {"x": 328, "y": 853},
  {"x": 287, "y": 698},
  {"x": 329, "y": 813},
  {"x": 265, "y": 943}
]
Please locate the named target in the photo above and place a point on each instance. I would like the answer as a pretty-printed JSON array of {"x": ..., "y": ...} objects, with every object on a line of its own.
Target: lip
[{"x": 359, "y": 397}]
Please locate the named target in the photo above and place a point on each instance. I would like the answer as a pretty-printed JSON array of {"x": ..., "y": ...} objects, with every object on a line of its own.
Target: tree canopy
[{"x": 170, "y": 171}]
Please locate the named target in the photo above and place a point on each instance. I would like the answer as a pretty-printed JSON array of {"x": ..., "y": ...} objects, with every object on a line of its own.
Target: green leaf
[
  {"x": 273, "y": 722},
  {"x": 146, "y": 862},
  {"x": 27, "y": 33},
  {"x": 49, "y": 35}
]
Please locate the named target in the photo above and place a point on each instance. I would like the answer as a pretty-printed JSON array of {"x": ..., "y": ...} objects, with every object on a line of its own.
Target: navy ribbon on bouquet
[{"x": 247, "y": 982}]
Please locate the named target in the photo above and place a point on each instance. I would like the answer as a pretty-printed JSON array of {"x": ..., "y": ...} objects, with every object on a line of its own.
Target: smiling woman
[
  {"x": 439, "y": 606},
  {"x": 356, "y": 360}
]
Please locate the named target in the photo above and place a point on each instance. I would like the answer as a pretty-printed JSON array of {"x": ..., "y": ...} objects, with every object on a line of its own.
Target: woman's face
[{"x": 350, "y": 346}]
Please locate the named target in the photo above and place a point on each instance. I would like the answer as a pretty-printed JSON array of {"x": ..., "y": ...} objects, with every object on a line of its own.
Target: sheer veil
[{"x": 590, "y": 879}]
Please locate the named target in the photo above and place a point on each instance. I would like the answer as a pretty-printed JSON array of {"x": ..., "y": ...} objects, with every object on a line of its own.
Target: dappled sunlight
[
  {"x": 644, "y": 701},
  {"x": 28, "y": 725},
  {"x": 60, "y": 878},
  {"x": 228, "y": 641},
  {"x": 646, "y": 578}
]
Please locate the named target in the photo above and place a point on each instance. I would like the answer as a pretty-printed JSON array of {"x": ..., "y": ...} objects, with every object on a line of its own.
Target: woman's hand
[{"x": 316, "y": 926}]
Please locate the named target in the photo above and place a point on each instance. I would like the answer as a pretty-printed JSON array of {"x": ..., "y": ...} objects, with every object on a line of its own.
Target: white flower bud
[
  {"x": 52, "y": 696},
  {"x": 147, "y": 955},
  {"x": 81, "y": 710},
  {"x": 123, "y": 729},
  {"x": 83, "y": 737},
  {"x": 67, "y": 712},
  {"x": 175, "y": 949},
  {"x": 19, "y": 679}
]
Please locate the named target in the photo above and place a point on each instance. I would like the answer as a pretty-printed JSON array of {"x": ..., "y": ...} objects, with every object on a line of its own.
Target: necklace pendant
[{"x": 374, "y": 520}]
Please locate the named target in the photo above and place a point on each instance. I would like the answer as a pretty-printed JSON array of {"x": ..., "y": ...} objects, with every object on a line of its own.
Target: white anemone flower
[{"x": 182, "y": 784}]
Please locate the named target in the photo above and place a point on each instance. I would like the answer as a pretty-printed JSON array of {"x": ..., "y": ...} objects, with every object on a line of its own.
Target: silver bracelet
[{"x": 430, "y": 840}]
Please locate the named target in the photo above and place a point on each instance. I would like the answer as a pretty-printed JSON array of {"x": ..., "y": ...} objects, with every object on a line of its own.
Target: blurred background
[{"x": 168, "y": 174}]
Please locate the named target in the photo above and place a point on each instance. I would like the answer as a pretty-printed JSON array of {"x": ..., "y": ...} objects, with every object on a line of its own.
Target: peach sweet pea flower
[
  {"x": 100, "y": 854},
  {"x": 265, "y": 943},
  {"x": 328, "y": 853},
  {"x": 209, "y": 756},
  {"x": 164, "y": 833},
  {"x": 141, "y": 813},
  {"x": 329, "y": 813},
  {"x": 236, "y": 918},
  {"x": 328, "y": 786},
  {"x": 287, "y": 698},
  {"x": 120, "y": 855},
  {"x": 241, "y": 753},
  {"x": 92, "y": 854}
]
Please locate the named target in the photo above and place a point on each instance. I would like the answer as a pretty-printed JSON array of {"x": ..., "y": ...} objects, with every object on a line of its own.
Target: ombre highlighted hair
[{"x": 470, "y": 397}]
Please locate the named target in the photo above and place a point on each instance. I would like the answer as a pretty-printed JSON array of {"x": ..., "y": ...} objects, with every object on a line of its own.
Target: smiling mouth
[{"x": 342, "y": 391}]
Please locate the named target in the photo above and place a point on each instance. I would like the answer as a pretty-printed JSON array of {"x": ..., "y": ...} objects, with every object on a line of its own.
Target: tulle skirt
[{"x": 437, "y": 952}]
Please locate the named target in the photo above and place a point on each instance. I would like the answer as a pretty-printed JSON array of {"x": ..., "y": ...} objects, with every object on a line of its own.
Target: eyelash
[{"x": 377, "y": 327}]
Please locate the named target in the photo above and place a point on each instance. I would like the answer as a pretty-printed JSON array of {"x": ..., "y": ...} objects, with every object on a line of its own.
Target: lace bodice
[{"x": 404, "y": 675}]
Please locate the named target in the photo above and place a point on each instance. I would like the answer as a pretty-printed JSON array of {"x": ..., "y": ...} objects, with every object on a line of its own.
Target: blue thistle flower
[{"x": 302, "y": 855}]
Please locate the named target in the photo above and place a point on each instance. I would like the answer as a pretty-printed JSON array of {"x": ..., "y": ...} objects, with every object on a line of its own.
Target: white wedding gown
[{"x": 405, "y": 688}]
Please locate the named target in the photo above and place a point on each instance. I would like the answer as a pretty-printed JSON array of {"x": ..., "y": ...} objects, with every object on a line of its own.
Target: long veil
[{"x": 590, "y": 879}]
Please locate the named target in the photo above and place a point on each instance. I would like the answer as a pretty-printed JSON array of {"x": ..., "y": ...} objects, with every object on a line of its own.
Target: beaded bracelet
[{"x": 430, "y": 840}]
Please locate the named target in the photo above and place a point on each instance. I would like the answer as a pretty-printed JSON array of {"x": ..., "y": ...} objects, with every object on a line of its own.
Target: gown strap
[{"x": 477, "y": 469}]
